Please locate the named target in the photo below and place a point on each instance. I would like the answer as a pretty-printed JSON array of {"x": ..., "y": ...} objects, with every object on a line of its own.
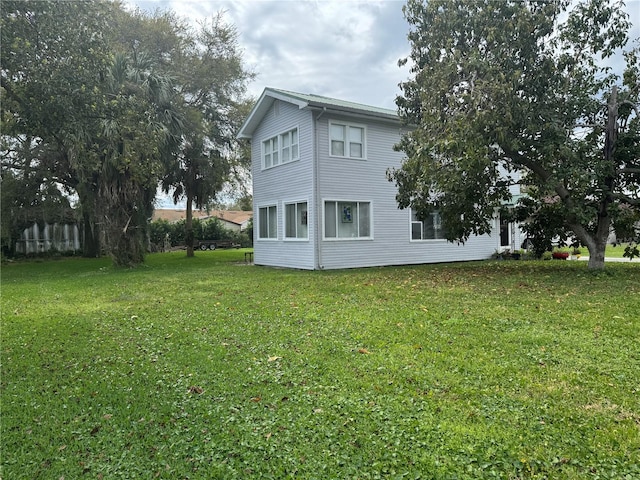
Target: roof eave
[
  {"x": 260, "y": 108},
  {"x": 269, "y": 95},
  {"x": 355, "y": 112}
]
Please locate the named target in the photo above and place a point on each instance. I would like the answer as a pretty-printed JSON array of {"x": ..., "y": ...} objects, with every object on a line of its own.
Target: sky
[
  {"x": 345, "y": 49},
  {"x": 342, "y": 49}
]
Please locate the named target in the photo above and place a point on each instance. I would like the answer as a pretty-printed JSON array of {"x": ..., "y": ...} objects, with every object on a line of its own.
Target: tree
[
  {"x": 212, "y": 81},
  {"x": 138, "y": 129},
  {"x": 53, "y": 56},
  {"x": 243, "y": 203},
  {"x": 99, "y": 108},
  {"x": 501, "y": 88}
]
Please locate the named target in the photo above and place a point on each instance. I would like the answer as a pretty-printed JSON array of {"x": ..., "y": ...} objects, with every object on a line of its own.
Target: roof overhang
[{"x": 314, "y": 102}]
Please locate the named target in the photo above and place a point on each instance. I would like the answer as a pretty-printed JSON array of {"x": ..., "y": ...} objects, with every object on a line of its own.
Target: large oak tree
[
  {"x": 106, "y": 103},
  {"x": 517, "y": 91}
]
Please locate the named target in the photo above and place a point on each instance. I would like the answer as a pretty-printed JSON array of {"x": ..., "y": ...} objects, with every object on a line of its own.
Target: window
[
  {"x": 268, "y": 222},
  {"x": 428, "y": 229},
  {"x": 347, "y": 219},
  {"x": 280, "y": 149},
  {"x": 296, "y": 220},
  {"x": 347, "y": 140}
]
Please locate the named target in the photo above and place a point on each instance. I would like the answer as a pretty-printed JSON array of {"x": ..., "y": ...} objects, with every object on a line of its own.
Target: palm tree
[{"x": 140, "y": 128}]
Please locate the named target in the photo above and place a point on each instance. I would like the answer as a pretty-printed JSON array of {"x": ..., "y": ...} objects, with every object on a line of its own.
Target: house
[
  {"x": 235, "y": 220},
  {"x": 320, "y": 190}
]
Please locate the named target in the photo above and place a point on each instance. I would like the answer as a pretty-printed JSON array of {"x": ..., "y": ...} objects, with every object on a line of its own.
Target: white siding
[
  {"x": 342, "y": 179},
  {"x": 282, "y": 184},
  {"x": 365, "y": 180}
]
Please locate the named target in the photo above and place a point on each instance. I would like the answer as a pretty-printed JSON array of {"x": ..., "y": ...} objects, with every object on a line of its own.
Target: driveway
[{"x": 610, "y": 259}]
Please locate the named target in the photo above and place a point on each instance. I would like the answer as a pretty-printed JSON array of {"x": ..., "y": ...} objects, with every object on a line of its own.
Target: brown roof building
[{"x": 236, "y": 220}]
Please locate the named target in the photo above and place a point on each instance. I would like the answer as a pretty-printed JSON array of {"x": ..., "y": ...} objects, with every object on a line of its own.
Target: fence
[{"x": 56, "y": 237}]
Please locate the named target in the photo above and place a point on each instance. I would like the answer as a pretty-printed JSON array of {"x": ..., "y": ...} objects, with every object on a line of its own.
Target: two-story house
[{"x": 320, "y": 190}]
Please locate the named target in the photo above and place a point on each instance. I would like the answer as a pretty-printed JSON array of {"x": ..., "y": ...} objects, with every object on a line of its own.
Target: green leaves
[{"x": 500, "y": 87}]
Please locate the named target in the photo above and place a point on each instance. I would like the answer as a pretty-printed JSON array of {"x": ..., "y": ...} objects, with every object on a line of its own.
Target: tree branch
[
  {"x": 628, "y": 170},
  {"x": 626, "y": 199},
  {"x": 541, "y": 172}
]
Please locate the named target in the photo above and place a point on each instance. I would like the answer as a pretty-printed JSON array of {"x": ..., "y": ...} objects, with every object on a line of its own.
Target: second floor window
[
  {"x": 280, "y": 149},
  {"x": 347, "y": 140}
]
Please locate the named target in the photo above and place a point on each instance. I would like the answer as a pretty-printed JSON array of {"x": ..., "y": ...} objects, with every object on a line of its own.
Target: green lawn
[
  {"x": 614, "y": 252},
  {"x": 209, "y": 368}
]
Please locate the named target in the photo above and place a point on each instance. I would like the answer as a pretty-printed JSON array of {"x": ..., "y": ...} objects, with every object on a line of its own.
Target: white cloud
[{"x": 346, "y": 49}]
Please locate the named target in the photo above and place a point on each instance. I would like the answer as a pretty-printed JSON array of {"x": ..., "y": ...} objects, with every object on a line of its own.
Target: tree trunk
[
  {"x": 596, "y": 254},
  {"x": 188, "y": 237},
  {"x": 597, "y": 248},
  {"x": 90, "y": 238}
]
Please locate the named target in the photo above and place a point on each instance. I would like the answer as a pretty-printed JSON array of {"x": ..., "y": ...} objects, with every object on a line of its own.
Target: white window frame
[
  {"x": 347, "y": 145},
  {"x": 269, "y": 226},
  {"x": 338, "y": 219},
  {"x": 274, "y": 150},
  {"x": 303, "y": 216},
  {"x": 413, "y": 221}
]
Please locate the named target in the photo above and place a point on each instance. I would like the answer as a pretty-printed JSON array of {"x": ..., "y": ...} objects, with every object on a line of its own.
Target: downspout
[{"x": 316, "y": 190}]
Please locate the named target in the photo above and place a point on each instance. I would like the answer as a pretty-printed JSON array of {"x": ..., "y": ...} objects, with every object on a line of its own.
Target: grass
[
  {"x": 209, "y": 368},
  {"x": 616, "y": 251}
]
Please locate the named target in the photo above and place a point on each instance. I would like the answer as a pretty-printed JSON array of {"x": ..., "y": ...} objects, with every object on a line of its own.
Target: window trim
[
  {"x": 279, "y": 138},
  {"x": 347, "y": 147},
  {"x": 422, "y": 239},
  {"x": 284, "y": 210},
  {"x": 347, "y": 239},
  {"x": 267, "y": 206}
]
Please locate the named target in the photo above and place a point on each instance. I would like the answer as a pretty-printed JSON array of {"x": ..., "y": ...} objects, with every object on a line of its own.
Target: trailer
[{"x": 214, "y": 244}]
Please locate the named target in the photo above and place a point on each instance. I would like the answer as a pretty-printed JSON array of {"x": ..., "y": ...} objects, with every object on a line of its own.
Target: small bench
[{"x": 248, "y": 255}]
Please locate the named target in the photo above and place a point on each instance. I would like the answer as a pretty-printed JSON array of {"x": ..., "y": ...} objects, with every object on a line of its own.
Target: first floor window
[
  {"x": 505, "y": 232},
  {"x": 296, "y": 220},
  {"x": 268, "y": 222},
  {"x": 428, "y": 229},
  {"x": 347, "y": 219}
]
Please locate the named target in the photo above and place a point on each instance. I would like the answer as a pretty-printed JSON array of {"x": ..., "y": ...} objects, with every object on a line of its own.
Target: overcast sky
[{"x": 346, "y": 49}]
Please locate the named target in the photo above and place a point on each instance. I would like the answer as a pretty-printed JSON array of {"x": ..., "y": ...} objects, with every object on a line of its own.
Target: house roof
[
  {"x": 316, "y": 102},
  {"x": 238, "y": 217},
  {"x": 232, "y": 216}
]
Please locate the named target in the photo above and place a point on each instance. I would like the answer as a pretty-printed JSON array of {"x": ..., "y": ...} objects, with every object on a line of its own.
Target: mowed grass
[
  {"x": 612, "y": 251},
  {"x": 209, "y": 368}
]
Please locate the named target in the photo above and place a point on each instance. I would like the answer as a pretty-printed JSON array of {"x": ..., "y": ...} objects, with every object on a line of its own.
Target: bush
[{"x": 210, "y": 229}]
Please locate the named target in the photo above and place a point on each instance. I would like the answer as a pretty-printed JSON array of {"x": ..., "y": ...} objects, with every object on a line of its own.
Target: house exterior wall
[
  {"x": 318, "y": 177},
  {"x": 234, "y": 227},
  {"x": 366, "y": 180},
  {"x": 290, "y": 182}
]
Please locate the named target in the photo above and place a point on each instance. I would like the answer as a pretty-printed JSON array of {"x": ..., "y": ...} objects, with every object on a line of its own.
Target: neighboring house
[
  {"x": 235, "y": 220},
  {"x": 321, "y": 194}
]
